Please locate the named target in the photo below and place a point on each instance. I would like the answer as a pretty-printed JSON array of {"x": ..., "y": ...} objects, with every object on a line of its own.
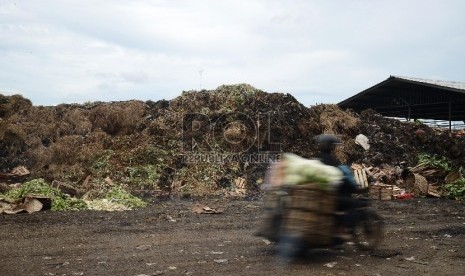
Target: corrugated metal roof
[
  {"x": 409, "y": 97},
  {"x": 449, "y": 84}
]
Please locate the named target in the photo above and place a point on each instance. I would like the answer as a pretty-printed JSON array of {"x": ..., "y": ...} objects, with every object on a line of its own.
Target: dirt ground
[{"x": 423, "y": 237}]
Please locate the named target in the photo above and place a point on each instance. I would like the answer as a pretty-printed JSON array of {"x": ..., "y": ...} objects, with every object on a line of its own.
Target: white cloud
[{"x": 319, "y": 51}]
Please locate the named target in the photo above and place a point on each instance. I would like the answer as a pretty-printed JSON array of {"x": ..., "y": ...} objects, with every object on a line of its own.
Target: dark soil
[{"x": 423, "y": 237}]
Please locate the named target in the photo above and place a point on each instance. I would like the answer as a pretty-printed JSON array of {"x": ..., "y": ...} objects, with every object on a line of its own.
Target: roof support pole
[
  {"x": 409, "y": 112},
  {"x": 450, "y": 116}
]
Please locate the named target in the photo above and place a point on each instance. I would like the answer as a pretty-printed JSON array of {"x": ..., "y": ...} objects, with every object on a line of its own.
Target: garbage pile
[
  {"x": 202, "y": 142},
  {"x": 432, "y": 176},
  {"x": 37, "y": 195}
]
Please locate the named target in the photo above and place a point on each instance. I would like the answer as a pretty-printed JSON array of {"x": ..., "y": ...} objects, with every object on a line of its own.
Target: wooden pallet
[
  {"x": 361, "y": 178},
  {"x": 384, "y": 191}
]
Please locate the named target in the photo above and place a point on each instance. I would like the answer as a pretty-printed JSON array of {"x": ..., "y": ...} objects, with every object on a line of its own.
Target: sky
[{"x": 325, "y": 51}]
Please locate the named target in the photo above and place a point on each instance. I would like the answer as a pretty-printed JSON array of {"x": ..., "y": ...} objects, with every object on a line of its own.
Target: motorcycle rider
[
  {"x": 345, "y": 203},
  {"x": 327, "y": 144}
]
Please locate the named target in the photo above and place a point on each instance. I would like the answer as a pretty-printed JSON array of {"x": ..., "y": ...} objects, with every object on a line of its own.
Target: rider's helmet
[{"x": 327, "y": 142}]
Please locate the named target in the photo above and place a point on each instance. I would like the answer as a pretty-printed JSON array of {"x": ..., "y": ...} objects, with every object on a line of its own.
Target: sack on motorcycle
[
  {"x": 303, "y": 210},
  {"x": 309, "y": 214}
]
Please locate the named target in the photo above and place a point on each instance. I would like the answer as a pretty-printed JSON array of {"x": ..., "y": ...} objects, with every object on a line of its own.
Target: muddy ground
[{"x": 423, "y": 237}]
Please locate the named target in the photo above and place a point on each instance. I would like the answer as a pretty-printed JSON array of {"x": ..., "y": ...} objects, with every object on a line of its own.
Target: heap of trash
[
  {"x": 37, "y": 195},
  {"x": 215, "y": 142}
]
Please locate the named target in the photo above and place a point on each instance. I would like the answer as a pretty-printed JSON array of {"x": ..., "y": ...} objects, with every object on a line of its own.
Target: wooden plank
[
  {"x": 357, "y": 178},
  {"x": 361, "y": 178},
  {"x": 365, "y": 179}
]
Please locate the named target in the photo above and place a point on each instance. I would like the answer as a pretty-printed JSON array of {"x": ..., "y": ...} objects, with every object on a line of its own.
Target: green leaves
[
  {"x": 60, "y": 201},
  {"x": 119, "y": 195},
  {"x": 66, "y": 203},
  {"x": 456, "y": 189},
  {"x": 35, "y": 187},
  {"x": 435, "y": 161},
  {"x": 63, "y": 202}
]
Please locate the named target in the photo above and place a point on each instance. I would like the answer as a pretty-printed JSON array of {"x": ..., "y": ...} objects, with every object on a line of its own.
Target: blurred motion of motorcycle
[{"x": 301, "y": 209}]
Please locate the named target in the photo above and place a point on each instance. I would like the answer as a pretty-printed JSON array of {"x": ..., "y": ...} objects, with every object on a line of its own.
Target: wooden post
[{"x": 450, "y": 118}]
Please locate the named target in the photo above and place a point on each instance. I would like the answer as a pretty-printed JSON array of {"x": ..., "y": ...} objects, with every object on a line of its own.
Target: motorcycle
[{"x": 301, "y": 217}]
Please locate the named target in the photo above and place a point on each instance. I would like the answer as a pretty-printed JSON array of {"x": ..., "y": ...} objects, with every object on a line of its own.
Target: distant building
[{"x": 436, "y": 102}]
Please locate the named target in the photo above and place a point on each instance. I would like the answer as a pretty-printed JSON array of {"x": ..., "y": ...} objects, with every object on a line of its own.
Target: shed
[{"x": 412, "y": 98}]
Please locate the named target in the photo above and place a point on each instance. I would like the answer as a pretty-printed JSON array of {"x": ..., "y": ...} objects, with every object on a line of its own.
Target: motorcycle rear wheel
[
  {"x": 291, "y": 247},
  {"x": 369, "y": 230}
]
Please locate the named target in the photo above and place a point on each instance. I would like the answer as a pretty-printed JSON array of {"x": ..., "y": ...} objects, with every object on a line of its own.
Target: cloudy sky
[{"x": 66, "y": 51}]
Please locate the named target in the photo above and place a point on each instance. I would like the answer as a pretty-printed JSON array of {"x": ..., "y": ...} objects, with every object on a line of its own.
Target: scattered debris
[
  {"x": 119, "y": 195},
  {"x": 202, "y": 209},
  {"x": 384, "y": 191},
  {"x": 404, "y": 195},
  {"x": 331, "y": 264},
  {"x": 240, "y": 187},
  {"x": 413, "y": 260},
  {"x": 417, "y": 184},
  {"x": 220, "y": 261},
  {"x": 360, "y": 177},
  {"x": 267, "y": 242},
  {"x": 37, "y": 195},
  {"x": 18, "y": 174},
  {"x": 170, "y": 218},
  {"x": 28, "y": 204},
  {"x": 106, "y": 205},
  {"x": 67, "y": 188},
  {"x": 453, "y": 177},
  {"x": 363, "y": 141},
  {"x": 143, "y": 247},
  {"x": 217, "y": 253}
]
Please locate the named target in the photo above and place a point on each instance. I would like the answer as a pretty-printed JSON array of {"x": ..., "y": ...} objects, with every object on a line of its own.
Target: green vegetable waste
[{"x": 63, "y": 202}]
